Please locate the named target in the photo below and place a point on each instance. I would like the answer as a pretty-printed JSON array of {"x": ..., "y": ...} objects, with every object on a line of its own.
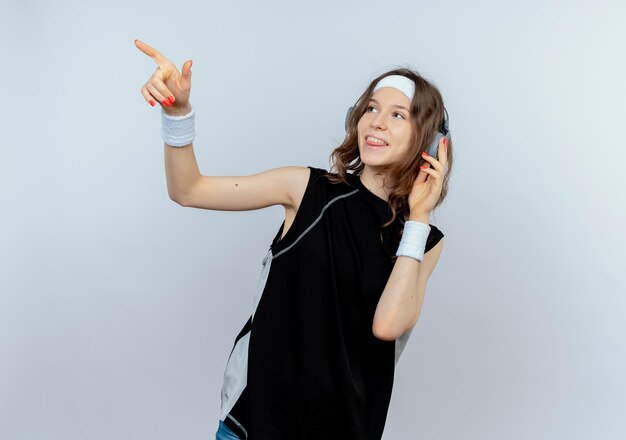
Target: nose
[{"x": 378, "y": 121}]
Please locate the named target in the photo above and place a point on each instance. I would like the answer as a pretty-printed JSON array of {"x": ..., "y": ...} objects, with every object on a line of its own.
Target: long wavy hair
[{"x": 427, "y": 114}]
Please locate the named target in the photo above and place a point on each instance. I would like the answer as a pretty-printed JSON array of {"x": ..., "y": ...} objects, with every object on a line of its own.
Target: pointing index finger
[{"x": 151, "y": 52}]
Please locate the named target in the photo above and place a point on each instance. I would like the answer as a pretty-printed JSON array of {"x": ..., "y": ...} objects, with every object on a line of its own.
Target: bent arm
[
  {"x": 401, "y": 301},
  {"x": 187, "y": 187},
  {"x": 181, "y": 167},
  {"x": 181, "y": 171}
]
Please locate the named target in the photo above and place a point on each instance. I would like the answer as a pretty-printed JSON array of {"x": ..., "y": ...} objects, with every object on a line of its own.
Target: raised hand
[
  {"x": 429, "y": 181},
  {"x": 167, "y": 85}
]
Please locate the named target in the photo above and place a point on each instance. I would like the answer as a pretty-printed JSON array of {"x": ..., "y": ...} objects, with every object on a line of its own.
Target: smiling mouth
[
  {"x": 375, "y": 143},
  {"x": 375, "y": 146}
]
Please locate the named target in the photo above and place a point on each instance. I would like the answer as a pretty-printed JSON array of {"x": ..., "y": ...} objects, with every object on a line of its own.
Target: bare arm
[
  {"x": 278, "y": 186},
  {"x": 185, "y": 185},
  {"x": 401, "y": 301},
  {"x": 181, "y": 167}
]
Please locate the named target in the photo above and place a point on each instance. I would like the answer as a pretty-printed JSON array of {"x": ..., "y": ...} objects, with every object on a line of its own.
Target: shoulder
[
  {"x": 303, "y": 181},
  {"x": 327, "y": 178},
  {"x": 349, "y": 182},
  {"x": 317, "y": 187},
  {"x": 298, "y": 178},
  {"x": 434, "y": 237},
  {"x": 322, "y": 174}
]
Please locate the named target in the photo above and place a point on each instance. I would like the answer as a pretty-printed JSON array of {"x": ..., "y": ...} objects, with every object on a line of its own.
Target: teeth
[{"x": 377, "y": 141}]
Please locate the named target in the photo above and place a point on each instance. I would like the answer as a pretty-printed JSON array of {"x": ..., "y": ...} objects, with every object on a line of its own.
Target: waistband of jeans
[{"x": 235, "y": 428}]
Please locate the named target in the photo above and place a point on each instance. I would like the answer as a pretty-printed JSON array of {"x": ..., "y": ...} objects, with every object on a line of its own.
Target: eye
[
  {"x": 398, "y": 113},
  {"x": 367, "y": 110}
]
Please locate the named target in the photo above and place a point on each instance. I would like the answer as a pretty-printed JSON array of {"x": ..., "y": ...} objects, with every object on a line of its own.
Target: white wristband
[
  {"x": 178, "y": 131},
  {"x": 413, "y": 240}
]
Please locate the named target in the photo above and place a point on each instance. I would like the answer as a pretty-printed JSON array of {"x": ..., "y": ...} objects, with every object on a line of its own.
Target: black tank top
[{"x": 306, "y": 364}]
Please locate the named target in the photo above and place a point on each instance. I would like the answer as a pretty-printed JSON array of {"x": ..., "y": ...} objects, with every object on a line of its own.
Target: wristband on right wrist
[
  {"x": 178, "y": 131},
  {"x": 413, "y": 241}
]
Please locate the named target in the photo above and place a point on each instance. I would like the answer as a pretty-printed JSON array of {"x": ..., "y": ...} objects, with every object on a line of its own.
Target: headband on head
[
  {"x": 400, "y": 82},
  {"x": 407, "y": 86}
]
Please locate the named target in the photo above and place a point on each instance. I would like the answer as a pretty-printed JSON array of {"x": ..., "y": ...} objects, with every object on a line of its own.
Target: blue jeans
[{"x": 225, "y": 433}]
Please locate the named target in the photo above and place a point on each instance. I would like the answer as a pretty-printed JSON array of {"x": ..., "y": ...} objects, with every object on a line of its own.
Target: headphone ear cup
[
  {"x": 432, "y": 149},
  {"x": 348, "y": 117}
]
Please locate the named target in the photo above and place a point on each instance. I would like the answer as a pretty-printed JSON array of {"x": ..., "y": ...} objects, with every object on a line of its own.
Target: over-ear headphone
[{"x": 442, "y": 131}]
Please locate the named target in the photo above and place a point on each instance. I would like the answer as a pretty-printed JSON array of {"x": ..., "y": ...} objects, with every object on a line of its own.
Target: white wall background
[{"x": 118, "y": 308}]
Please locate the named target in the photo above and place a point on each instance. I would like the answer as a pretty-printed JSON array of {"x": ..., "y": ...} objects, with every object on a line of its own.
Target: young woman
[{"x": 343, "y": 280}]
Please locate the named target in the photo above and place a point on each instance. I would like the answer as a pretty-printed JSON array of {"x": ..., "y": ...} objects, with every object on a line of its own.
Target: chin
[{"x": 374, "y": 164}]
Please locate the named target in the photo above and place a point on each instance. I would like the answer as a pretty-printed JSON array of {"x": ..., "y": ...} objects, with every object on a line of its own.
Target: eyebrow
[{"x": 394, "y": 105}]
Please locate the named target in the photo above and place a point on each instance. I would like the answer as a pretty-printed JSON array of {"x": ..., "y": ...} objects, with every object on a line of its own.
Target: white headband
[{"x": 400, "y": 82}]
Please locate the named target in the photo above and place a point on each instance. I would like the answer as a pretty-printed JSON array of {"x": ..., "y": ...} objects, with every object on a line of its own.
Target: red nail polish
[
  {"x": 166, "y": 102},
  {"x": 152, "y": 103},
  {"x": 172, "y": 99},
  {"x": 445, "y": 141},
  {"x": 422, "y": 167},
  {"x": 424, "y": 153}
]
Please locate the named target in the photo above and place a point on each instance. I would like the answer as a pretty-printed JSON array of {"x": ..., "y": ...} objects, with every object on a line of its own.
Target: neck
[{"x": 374, "y": 183}]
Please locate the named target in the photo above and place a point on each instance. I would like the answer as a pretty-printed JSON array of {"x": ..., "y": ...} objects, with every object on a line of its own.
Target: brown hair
[{"x": 427, "y": 114}]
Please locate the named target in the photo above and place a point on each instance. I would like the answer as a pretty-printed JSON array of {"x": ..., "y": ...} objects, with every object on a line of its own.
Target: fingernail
[
  {"x": 171, "y": 98},
  {"x": 445, "y": 141},
  {"x": 152, "y": 103},
  {"x": 166, "y": 102},
  {"x": 422, "y": 167},
  {"x": 424, "y": 153}
]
